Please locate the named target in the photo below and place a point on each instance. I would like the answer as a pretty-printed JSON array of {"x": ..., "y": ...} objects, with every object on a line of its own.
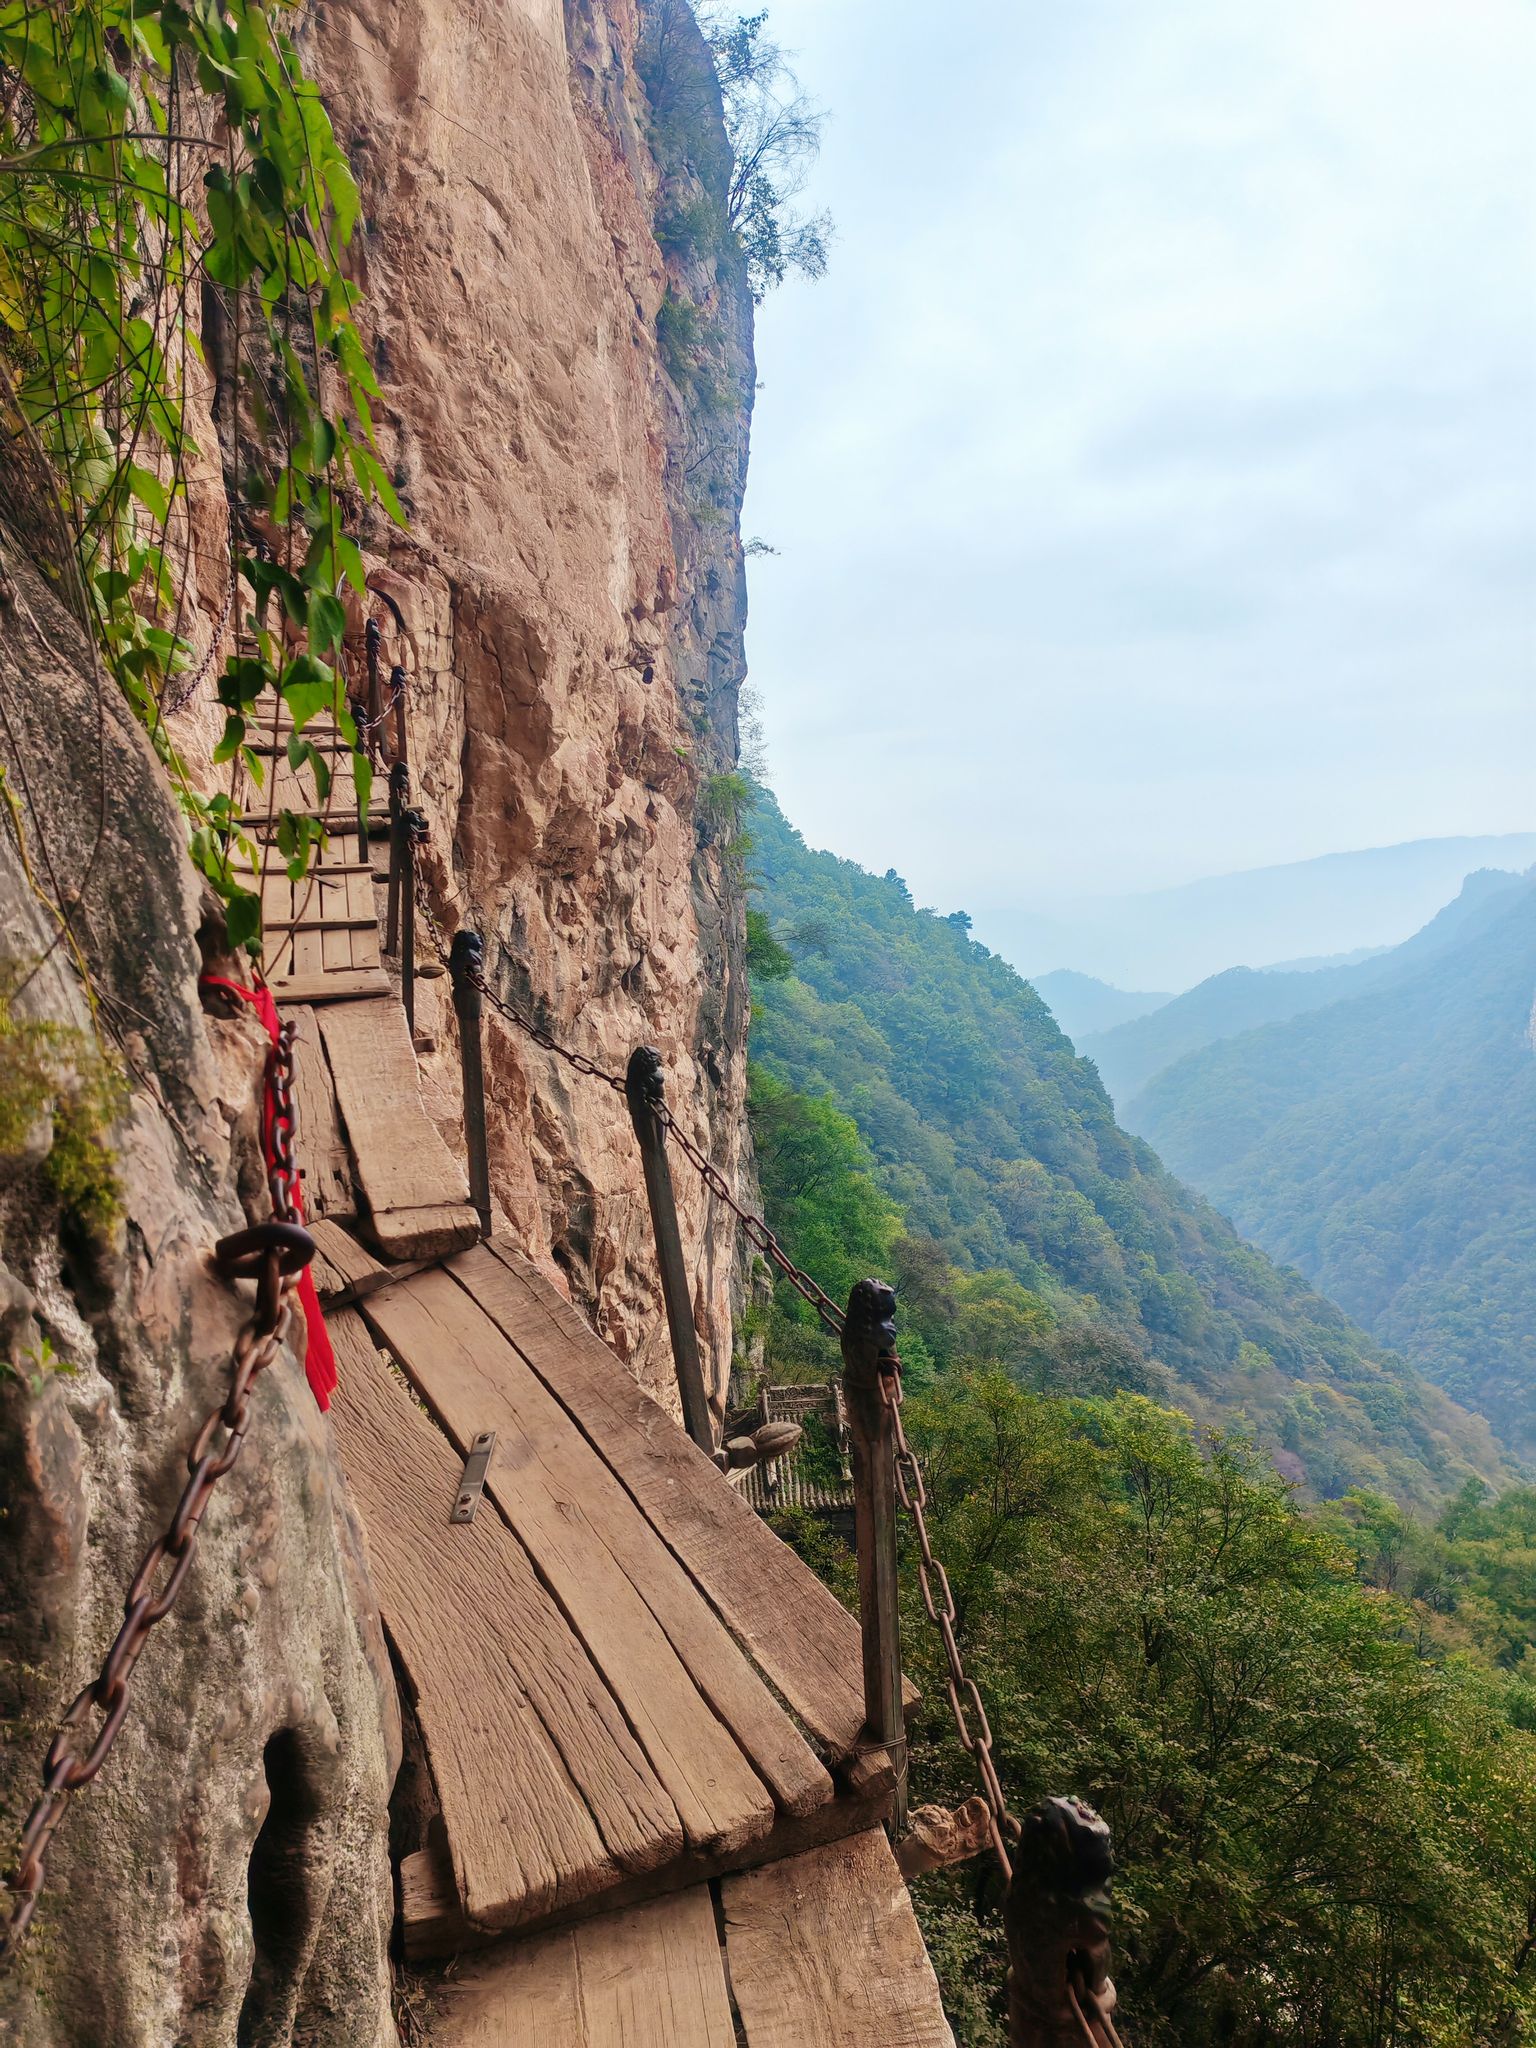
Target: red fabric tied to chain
[{"x": 319, "y": 1358}]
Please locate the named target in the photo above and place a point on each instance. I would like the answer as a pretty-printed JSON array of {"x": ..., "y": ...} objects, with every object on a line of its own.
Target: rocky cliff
[
  {"x": 572, "y": 586},
  {"x": 565, "y": 418}
]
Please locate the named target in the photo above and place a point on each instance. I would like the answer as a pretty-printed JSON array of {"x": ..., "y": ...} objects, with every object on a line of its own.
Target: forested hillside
[
  {"x": 1386, "y": 1146},
  {"x": 1128, "y": 1055},
  {"x": 913, "y": 1089}
]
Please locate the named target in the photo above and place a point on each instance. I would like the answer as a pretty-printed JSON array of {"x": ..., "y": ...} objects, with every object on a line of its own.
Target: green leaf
[
  {"x": 242, "y": 919},
  {"x": 229, "y": 744},
  {"x": 327, "y": 622},
  {"x": 151, "y": 492}
]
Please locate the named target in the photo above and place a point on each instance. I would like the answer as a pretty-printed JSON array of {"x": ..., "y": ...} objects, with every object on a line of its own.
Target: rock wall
[
  {"x": 573, "y": 592},
  {"x": 225, "y": 1877}
]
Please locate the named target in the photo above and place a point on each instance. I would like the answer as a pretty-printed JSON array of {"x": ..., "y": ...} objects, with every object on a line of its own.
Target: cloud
[{"x": 1153, "y": 470}]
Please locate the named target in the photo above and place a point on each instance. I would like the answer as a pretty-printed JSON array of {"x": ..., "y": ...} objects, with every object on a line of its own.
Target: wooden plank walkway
[
  {"x": 820, "y": 1951},
  {"x": 321, "y": 932},
  {"x": 616, "y": 1606},
  {"x": 825, "y": 1952},
  {"x": 798, "y": 1633},
  {"x": 414, "y": 1194},
  {"x": 532, "y": 1824}
]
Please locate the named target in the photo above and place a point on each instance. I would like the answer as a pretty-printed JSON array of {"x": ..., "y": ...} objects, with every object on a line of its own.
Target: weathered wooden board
[
  {"x": 546, "y": 1796},
  {"x": 321, "y": 932},
  {"x": 684, "y": 1686},
  {"x": 322, "y": 1151},
  {"x": 432, "y": 1920},
  {"x": 824, "y": 1952},
  {"x": 650, "y": 1977},
  {"x": 416, "y": 1193},
  {"x": 798, "y": 1633}
]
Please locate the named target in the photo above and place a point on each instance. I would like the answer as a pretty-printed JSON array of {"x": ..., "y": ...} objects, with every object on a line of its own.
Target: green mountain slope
[
  {"x": 1387, "y": 1146},
  {"x": 1128, "y": 1055},
  {"x": 999, "y": 1145}
]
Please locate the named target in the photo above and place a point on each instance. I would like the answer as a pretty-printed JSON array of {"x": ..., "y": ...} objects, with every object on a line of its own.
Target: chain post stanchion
[
  {"x": 274, "y": 1254},
  {"x": 465, "y": 958},
  {"x": 645, "y": 1094},
  {"x": 868, "y": 1340}
]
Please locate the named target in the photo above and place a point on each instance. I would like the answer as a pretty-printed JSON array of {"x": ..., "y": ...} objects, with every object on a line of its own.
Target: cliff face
[
  {"x": 226, "y": 1874},
  {"x": 572, "y": 586},
  {"x": 572, "y": 593}
]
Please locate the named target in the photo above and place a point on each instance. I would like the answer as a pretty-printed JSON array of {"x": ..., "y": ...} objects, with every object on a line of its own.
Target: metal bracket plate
[{"x": 472, "y": 1485}]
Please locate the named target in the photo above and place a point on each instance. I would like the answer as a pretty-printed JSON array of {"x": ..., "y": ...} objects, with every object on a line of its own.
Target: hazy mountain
[
  {"x": 1241, "y": 999},
  {"x": 1172, "y": 938},
  {"x": 1081, "y": 1004},
  {"x": 1310, "y": 962},
  {"x": 1001, "y": 1151},
  {"x": 1385, "y": 1146}
]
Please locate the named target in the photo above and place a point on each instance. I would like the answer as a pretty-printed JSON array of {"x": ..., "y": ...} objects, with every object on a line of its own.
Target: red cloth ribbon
[{"x": 319, "y": 1358}]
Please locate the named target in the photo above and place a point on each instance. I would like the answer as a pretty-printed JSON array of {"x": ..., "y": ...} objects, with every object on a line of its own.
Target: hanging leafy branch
[
  {"x": 774, "y": 126},
  {"x": 151, "y": 151}
]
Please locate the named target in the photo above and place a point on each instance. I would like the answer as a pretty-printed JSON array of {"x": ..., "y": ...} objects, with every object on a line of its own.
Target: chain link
[
  {"x": 274, "y": 1254},
  {"x": 965, "y": 1700}
]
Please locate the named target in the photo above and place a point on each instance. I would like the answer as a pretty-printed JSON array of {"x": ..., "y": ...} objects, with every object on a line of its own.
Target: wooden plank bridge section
[
  {"x": 641, "y": 1713},
  {"x": 817, "y": 1951},
  {"x": 636, "y": 1702}
]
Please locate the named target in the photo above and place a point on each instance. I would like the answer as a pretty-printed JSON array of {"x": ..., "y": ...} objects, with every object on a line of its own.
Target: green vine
[{"x": 150, "y": 151}]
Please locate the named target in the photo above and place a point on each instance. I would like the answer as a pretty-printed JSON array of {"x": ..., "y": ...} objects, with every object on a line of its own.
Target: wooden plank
[
  {"x": 795, "y": 1629},
  {"x": 546, "y": 1796},
  {"x": 322, "y": 1151},
  {"x": 666, "y": 1659},
  {"x": 824, "y": 1952},
  {"x": 328, "y": 988},
  {"x": 650, "y": 1977},
  {"x": 765, "y": 1733},
  {"x": 432, "y": 1920},
  {"x": 416, "y": 1194}
]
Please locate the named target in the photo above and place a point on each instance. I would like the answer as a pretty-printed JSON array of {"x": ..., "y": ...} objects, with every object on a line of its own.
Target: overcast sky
[{"x": 1155, "y": 470}]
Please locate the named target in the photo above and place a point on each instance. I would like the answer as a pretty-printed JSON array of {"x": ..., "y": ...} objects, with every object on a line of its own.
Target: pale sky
[{"x": 1154, "y": 473}]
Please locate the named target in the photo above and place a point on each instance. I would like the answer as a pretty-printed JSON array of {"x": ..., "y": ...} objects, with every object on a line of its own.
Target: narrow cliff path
[{"x": 636, "y": 1709}]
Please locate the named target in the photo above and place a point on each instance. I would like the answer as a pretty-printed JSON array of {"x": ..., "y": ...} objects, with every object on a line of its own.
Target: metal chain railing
[
  {"x": 274, "y": 1254},
  {"x": 964, "y": 1698}
]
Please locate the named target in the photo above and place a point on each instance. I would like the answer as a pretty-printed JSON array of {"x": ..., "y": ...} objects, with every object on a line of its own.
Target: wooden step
[
  {"x": 825, "y": 1952},
  {"x": 651, "y": 1977},
  {"x": 799, "y": 1634},
  {"x": 536, "y": 1820},
  {"x": 727, "y": 1753},
  {"x": 821, "y": 1950},
  {"x": 414, "y": 1195}
]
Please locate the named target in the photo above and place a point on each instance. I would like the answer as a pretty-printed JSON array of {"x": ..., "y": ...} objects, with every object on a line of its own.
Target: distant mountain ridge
[
  {"x": 1304, "y": 910},
  {"x": 1080, "y": 1003},
  {"x": 1243, "y": 998},
  {"x": 1384, "y": 1144},
  {"x": 1000, "y": 1148}
]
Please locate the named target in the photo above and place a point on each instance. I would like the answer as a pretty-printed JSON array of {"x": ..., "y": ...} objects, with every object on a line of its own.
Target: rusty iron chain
[
  {"x": 965, "y": 1702},
  {"x": 273, "y": 1254},
  {"x": 755, "y": 1228},
  {"x": 972, "y": 1725}
]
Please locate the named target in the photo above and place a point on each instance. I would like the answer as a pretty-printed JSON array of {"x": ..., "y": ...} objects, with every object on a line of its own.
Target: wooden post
[
  {"x": 464, "y": 964},
  {"x": 410, "y": 830},
  {"x": 869, "y": 1334},
  {"x": 644, "y": 1091},
  {"x": 398, "y": 789}
]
